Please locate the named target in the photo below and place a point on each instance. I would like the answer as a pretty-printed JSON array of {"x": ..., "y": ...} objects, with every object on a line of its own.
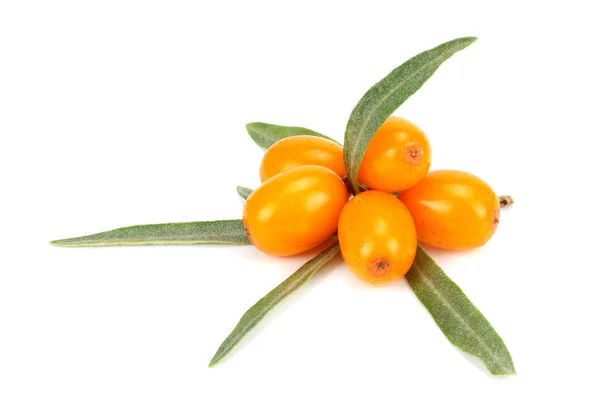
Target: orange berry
[
  {"x": 296, "y": 151},
  {"x": 377, "y": 237},
  {"x": 453, "y": 210},
  {"x": 295, "y": 211},
  {"x": 397, "y": 157}
]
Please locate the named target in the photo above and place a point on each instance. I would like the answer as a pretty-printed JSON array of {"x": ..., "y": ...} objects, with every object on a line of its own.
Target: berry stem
[{"x": 506, "y": 201}]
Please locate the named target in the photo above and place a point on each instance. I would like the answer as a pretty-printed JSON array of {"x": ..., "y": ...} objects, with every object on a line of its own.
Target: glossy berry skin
[
  {"x": 296, "y": 151},
  {"x": 295, "y": 211},
  {"x": 453, "y": 210},
  {"x": 377, "y": 237},
  {"x": 398, "y": 156}
]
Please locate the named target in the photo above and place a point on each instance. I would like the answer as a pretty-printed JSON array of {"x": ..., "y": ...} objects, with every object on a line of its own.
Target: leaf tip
[
  {"x": 467, "y": 41},
  {"x": 244, "y": 192},
  {"x": 511, "y": 370},
  {"x": 65, "y": 243},
  {"x": 253, "y": 129},
  {"x": 509, "y": 373},
  {"x": 508, "y": 368},
  {"x": 250, "y": 127},
  {"x": 214, "y": 361}
]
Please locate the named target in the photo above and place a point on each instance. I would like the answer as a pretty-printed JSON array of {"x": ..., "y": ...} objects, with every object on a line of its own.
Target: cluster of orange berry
[{"x": 303, "y": 201}]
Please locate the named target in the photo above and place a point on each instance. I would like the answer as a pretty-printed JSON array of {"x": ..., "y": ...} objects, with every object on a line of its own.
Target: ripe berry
[
  {"x": 296, "y": 151},
  {"x": 397, "y": 157},
  {"x": 377, "y": 237},
  {"x": 453, "y": 210},
  {"x": 295, "y": 211}
]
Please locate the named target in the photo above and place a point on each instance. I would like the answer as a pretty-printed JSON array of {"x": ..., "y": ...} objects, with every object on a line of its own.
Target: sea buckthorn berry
[
  {"x": 453, "y": 210},
  {"x": 295, "y": 211},
  {"x": 397, "y": 157},
  {"x": 296, "y": 151},
  {"x": 377, "y": 237}
]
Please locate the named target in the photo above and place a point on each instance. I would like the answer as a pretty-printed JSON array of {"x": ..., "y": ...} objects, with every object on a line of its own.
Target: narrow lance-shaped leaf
[
  {"x": 460, "y": 321},
  {"x": 201, "y": 232},
  {"x": 265, "y": 134},
  {"x": 386, "y": 96},
  {"x": 260, "y": 309}
]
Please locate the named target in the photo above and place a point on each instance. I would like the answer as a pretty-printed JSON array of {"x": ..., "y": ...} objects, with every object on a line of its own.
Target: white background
[{"x": 116, "y": 113}]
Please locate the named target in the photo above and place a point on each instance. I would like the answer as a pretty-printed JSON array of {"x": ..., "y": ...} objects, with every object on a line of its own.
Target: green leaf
[
  {"x": 386, "y": 96},
  {"x": 202, "y": 232},
  {"x": 265, "y": 134},
  {"x": 244, "y": 192},
  {"x": 257, "y": 312},
  {"x": 460, "y": 321}
]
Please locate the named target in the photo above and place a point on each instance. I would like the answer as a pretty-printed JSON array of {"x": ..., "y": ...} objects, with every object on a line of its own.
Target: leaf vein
[
  {"x": 458, "y": 316},
  {"x": 387, "y": 96}
]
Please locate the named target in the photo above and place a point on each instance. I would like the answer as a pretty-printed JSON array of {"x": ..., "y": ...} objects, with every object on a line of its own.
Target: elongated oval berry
[
  {"x": 296, "y": 151},
  {"x": 377, "y": 237},
  {"x": 453, "y": 210},
  {"x": 398, "y": 156},
  {"x": 295, "y": 211}
]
